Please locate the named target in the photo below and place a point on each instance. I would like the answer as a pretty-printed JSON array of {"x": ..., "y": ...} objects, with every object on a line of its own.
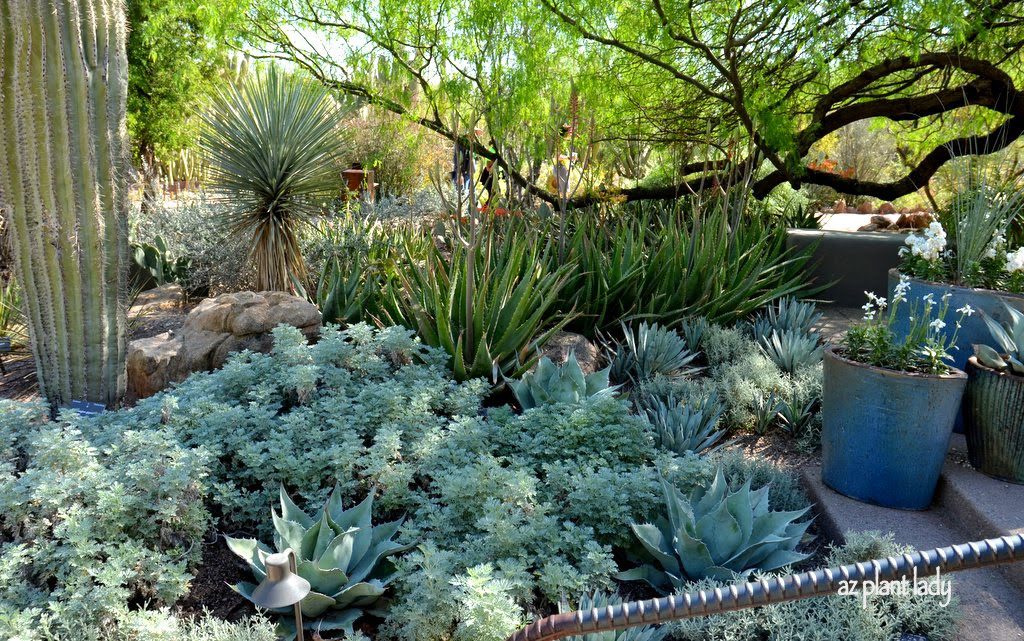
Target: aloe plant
[
  {"x": 340, "y": 552},
  {"x": 63, "y": 88},
  {"x": 1009, "y": 337},
  {"x": 551, "y": 383},
  {"x": 716, "y": 534},
  {"x": 489, "y": 304}
]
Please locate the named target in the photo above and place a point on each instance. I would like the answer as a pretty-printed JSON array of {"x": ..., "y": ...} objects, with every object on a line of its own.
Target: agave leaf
[
  {"x": 1016, "y": 366},
  {"x": 781, "y": 558},
  {"x": 291, "y": 512},
  {"x": 720, "y": 532},
  {"x": 759, "y": 500},
  {"x": 289, "y": 534},
  {"x": 248, "y": 551},
  {"x": 356, "y": 593},
  {"x": 720, "y": 573},
  {"x": 657, "y": 579},
  {"x": 713, "y": 496},
  {"x": 999, "y": 335},
  {"x": 369, "y": 564},
  {"x": 309, "y": 541},
  {"x": 774, "y": 523},
  {"x": 694, "y": 554},
  {"x": 655, "y": 543},
  {"x": 989, "y": 357},
  {"x": 386, "y": 531},
  {"x": 315, "y": 604},
  {"x": 325, "y": 581},
  {"x": 741, "y": 508},
  {"x": 678, "y": 508},
  {"x": 339, "y": 621},
  {"x": 339, "y": 551}
]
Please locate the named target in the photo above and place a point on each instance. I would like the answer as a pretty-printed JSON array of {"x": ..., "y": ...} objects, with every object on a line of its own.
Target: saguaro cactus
[{"x": 63, "y": 85}]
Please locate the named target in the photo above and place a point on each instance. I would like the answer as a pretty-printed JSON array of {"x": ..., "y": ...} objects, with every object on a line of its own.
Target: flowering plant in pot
[
  {"x": 965, "y": 254},
  {"x": 994, "y": 401},
  {"x": 889, "y": 401}
]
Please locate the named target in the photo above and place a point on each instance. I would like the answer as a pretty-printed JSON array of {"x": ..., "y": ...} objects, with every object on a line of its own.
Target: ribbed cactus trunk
[{"x": 63, "y": 86}]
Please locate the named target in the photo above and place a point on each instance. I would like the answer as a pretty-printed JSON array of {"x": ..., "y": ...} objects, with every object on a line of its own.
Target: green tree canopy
[
  {"x": 736, "y": 86},
  {"x": 177, "y": 49}
]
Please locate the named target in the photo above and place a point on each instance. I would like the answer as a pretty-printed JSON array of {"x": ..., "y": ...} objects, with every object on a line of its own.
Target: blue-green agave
[
  {"x": 686, "y": 427},
  {"x": 601, "y": 601},
  {"x": 650, "y": 350},
  {"x": 340, "y": 553},
  {"x": 1009, "y": 336},
  {"x": 716, "y": 534},
  {"x": 550, "y": 383}
]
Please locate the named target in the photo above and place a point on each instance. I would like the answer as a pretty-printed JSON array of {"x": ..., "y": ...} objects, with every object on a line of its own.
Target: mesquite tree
[{"x": 63, "y": 83}]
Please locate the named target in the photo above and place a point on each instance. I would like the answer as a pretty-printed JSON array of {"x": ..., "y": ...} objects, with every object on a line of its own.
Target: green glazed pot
[{"x": 994, "y": 421}]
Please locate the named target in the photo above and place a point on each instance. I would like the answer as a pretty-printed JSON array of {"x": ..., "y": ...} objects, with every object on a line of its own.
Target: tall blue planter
[
  {"x": 885, "y": 433},
  {"x": 973, "y": 331}
]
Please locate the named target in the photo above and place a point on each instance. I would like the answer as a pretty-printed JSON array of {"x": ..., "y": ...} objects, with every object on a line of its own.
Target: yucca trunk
[{"x": 63, "y": 86}]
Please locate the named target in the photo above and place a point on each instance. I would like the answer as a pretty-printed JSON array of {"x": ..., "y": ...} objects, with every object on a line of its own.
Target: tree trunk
[{"x": 63, "y": 87}]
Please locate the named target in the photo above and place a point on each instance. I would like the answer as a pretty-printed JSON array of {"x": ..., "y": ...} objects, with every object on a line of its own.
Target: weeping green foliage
[
  {"x": 716, "y": 534},
  {"x": 567, "y": 383},
  {"x": 63, "y": 87},
  {"x": 490, "y": 304},
  {"x": 340, "y": 552},
  {"x": 273, "y": 144}
]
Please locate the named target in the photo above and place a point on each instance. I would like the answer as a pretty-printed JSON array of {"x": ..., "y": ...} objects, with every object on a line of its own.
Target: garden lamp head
[{"x": 282, "y": 587}]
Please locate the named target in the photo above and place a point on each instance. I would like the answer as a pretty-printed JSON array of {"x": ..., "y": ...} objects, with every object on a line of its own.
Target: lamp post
[{"x": 282, "y": 587}]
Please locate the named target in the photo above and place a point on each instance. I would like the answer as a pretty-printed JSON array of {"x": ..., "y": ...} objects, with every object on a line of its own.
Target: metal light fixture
[{"x": 282, "y": 587}]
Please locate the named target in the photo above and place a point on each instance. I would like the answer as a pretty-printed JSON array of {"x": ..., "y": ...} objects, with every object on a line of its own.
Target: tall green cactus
[{"x": 63, "y": 86}]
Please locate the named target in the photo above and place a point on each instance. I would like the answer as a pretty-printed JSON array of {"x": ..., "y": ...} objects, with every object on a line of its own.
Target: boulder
[
  {"x": 212, "y": 331},
  {"x": 886, "y": 209},
  {"x": 917, "y": 220},
  {"x": 865, "y": 208},
  {"x": 561, "y": 344},
  {"x": 881, "y": 222}
]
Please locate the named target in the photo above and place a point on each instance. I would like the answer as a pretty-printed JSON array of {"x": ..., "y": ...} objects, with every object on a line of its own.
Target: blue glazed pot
[
  {"x": 974, "y": 330},
  {"x": 885, "y": 433}
]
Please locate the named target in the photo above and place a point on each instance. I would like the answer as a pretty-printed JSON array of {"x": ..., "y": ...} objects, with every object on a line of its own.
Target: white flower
[
  {"x": 929, "y": 298},
  {"x": 1015, "y": 260},
  {"x": 899, "y": 293},
  {"x": 966, "y": 310},
  {"x": 947, "y": 296},
  {"x": 929, "y": 246},
  {"x": 938, "y": 324}
]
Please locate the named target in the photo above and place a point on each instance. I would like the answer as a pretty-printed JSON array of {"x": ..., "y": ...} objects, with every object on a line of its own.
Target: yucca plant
[
  {"x": 63, "y": 91},
  {"x": 489, "y": 304},
  {"x": 690, "y": 427},
  {"x": 601, "y": 601},
  {"x": 340, "y": 552},
  {"x": 647, "y": 351},
  {"x": 273, "y": 143},
  {"x": 550, "y": 383},
  {"x": 716, "y": 534},
  {"x": 791, "y": 350}
]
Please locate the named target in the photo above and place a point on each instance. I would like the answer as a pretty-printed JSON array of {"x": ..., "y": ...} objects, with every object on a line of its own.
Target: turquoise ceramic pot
[
  {"x": 885, "y": 433},
  {"x": 994, "y": 421}
]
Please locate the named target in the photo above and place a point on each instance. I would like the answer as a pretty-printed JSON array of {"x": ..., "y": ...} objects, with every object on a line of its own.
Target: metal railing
[{"x": 740, "y": 596}]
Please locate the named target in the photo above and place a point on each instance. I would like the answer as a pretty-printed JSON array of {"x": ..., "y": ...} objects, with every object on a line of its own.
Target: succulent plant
[
  {"x": 551, "y": 383},
  {"x": 716, "y": 534},
  {"x": 790, "y": 350},
  {"x": 650, "y": 350},
  {"x": 1010, "y": 339},
  {"x": 797, "y": 419},
  {"x": 601, "y": 601},
  {"x": 767, "y": 408},
  {"x": 340, "y": 553},
  {"x": 788, "y": 314},
  {"x": 156, "y": 260},
  {"x": 691, "y": 427},
  {"x": 693, "y": 329}
]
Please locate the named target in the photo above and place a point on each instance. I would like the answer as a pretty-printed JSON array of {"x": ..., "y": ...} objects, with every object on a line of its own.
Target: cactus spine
[{"x": 63, "y": 88}]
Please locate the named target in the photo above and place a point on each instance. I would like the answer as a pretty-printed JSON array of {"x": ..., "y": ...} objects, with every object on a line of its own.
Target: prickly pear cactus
[{"x": 63, "y": 86}]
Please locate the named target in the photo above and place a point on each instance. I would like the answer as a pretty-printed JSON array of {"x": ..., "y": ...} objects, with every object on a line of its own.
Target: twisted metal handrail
[{"x": 739, "y": 596}]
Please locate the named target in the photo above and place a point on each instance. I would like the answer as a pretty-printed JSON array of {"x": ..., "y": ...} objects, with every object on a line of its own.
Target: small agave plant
[
  {"x": 686, "y": 427},
  {"x": 340, "y": 553},
  {"x": 650, "y": 350},
  {"x": 716, "y": 534},
  {"x": 601, "y": 601},
  {"x": 1010, "y": 338},
  {"x": 551, "y": 383}
]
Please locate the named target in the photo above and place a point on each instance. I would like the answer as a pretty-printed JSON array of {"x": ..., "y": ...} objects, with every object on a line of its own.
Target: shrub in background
[{"x": 91, "y": 519}]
